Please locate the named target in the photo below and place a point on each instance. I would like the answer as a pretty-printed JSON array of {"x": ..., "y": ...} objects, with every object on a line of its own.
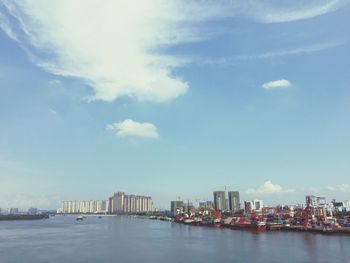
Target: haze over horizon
[{"x": 173, "y": 99}]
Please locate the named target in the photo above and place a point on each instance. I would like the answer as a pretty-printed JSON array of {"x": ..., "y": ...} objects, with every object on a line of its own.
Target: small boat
[
  {"x": 79, "y": 218},
  {"x": 274, "y": 225}
]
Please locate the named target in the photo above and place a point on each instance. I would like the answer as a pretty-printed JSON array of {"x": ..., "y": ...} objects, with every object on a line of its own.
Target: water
[{"x": 127, "y": 239}]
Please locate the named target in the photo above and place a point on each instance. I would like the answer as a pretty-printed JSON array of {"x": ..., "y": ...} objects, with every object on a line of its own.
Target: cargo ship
[{"x": 243, "y": 223}]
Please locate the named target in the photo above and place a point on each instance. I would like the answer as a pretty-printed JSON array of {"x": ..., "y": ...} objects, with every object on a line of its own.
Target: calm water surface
[{"x": 126, "y": 239}]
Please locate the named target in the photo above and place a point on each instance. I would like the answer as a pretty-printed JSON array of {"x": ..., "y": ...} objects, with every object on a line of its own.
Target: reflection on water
[{"x": 127, "y": 239}]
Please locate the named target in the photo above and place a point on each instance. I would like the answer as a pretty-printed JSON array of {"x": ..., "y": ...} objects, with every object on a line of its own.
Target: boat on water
[
  {"x": 274, "y": 225},
  {"x": 79, "y": 218},
  {"x": 217, "y": 222},
  {"x": 246, "y": 224}
]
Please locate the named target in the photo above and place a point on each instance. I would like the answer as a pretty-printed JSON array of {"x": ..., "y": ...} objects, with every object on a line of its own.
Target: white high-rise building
[
  {"x": 84, "y": 207},
  {"x": 257, "y": 205}
]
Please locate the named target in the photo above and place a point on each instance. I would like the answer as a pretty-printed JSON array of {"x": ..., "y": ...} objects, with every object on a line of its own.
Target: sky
[{"x": 174, "y": 99}]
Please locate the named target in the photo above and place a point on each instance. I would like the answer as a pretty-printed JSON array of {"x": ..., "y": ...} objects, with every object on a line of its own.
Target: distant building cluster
[
  {"x": 118, "y": 203},
  {"x": 84, "y": 207},
  {"x": 229, "y": 202},
  {"x": 220, "y": 203},
  {"x": 16, "y": 211},
  {"x": 123, "y": 203}
]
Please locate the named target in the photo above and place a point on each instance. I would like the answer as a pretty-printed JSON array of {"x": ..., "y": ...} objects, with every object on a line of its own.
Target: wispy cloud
[
  {"x": 6, "y": 27},
  {"x": 277, "y": 84},
  {"x": 268, "y": 188},
  {"x": 134, "y": 128},
  {"x": 52, "y": 111},
  {"x": 231, "y": 60},
  {"x": 293, "y": 51},
  {"x": 267, "y": 12},
  {"x": 115, "y": 47},
  {"x": 343, "y": 188},
  {"x": 25, "y": 201}
]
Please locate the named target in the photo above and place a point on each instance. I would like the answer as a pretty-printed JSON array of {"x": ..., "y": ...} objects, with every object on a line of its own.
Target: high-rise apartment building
[
  {"x": 257, "y": 205},
  {"x": 137, "y": 204},
  {"x": 233, "y": 201},
  {"x": 123, "y": 203},
  {"x": 84, "y": 207},
  {"x": 219, "y": 200},
  {"x": 117, "y": 202}
]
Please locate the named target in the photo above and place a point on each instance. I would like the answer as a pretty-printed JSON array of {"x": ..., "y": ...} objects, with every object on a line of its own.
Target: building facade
[
  {"x": 84, "y": 207},
  {"x": 257, "y": 205},
  {"x": 219, "y": 200},
  {"x": 123, "y": 203},
  {"x": 117, "y": 203},
  {"x": 234, "y": 201}
]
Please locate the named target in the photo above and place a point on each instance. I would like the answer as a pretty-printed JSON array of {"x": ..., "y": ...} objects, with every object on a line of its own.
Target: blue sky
[{"x": 170, "y": 98}]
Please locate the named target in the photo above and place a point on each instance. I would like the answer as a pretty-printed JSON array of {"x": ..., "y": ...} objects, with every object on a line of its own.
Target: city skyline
[{"x": 237, "y": 96}]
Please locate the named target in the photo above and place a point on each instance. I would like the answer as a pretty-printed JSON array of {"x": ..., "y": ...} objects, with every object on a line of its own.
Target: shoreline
[{"x": 23, "y": 217}]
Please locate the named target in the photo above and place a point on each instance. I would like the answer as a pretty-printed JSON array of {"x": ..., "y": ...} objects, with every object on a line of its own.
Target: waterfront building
[
  {"x": 347, "y": 205},
  {"x": 123, "y": 203},
  {"x": 176, "y": 207},
  {"x": 257, "y": 205},
  {"x": 233, "y": 201},
  {"x": 84, "y": 207},
  {"x": 219, "y": 200},
  {"x": 247, "y": 207},
  {"x": 315, "y": 201},
  {"x": 13, "y": 211},
  {"x": 32, "y": 211},
  {"x": 117, "y": 202}
]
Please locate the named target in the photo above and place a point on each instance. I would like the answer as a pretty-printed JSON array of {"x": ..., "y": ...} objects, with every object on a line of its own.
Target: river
[{"x": 128, "y": 239}]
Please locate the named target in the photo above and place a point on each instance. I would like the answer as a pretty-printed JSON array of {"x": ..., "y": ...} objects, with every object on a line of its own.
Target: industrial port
[{"x": 315, "y": 216}]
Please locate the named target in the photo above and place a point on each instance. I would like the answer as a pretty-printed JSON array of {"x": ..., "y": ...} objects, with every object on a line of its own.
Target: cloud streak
[
  {"x": 293, "y": 51},
  {"x": 294, "y": 10},
  {"x": 133, "y": 128}
]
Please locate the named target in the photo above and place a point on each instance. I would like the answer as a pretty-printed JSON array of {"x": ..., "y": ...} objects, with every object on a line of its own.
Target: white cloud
[
  {"x": 133, "y": 128},
  {"x": 268, "y": 188},
  {"x": 116, "y": 46},
  {"x": 343, "y": 188},
  {"x": 277, "y": 84},
  {"x": 111, "y": 45}
]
